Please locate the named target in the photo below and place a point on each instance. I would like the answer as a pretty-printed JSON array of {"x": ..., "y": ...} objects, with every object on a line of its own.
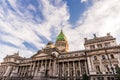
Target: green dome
[{"x": 61, "y": 37}]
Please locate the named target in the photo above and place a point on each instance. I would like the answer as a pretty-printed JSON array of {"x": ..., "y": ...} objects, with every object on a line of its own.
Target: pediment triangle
[{"x": 41, "y": 54}]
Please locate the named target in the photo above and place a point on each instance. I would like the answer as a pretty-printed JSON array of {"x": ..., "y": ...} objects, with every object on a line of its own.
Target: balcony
[
  {"x": 111, "y": 60},
  {"x": 114, "y": 60},
  {"x": 105, "y": 61},
  {"x": 96, "y": 62},
  {"x": 98, "y": 72}
]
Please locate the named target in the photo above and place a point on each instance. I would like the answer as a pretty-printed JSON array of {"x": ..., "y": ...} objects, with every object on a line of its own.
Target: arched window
[
  {"x": 112, "y": 56},
  {"x": 103, "y": 56},
  {"x": 95, "y": 57}
]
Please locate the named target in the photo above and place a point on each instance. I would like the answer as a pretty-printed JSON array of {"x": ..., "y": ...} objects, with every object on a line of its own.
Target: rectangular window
[
  {"x": 110, "y": 78},
  {"x": 107, "y": 44},
  {"x": 99, "y": 45},
  {"x": 92, "y": 46},
  {"x": 100, "y": 78},
  {"x": 107, "y": 68},
  {"x": 97, "y": 69}
]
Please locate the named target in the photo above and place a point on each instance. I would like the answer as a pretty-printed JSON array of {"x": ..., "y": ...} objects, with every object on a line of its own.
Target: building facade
[{"x": 99, "y": 60}]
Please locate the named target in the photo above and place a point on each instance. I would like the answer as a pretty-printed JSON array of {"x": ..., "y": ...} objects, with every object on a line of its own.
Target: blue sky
[{"x": 28, "y": 25}]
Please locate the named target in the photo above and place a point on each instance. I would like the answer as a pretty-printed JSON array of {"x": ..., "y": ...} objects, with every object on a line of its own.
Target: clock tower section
[{"x": 61, "y": 42}]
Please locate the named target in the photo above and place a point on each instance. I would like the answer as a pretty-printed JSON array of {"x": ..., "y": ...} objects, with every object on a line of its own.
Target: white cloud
[
  {"x": 31, "y": 7},
  {"x": 13, "y": 3},
  {"x": 105, "y": 17},
  {"x": 83, "y": 1},
  {"x": 101, "y": 18},
  {"x": 18, "y": 29}
]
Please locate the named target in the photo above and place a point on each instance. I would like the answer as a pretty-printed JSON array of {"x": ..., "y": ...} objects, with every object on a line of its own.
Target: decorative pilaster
[
  {"x": 86, "y": 67},
  {"x": 101, "y": 66}
]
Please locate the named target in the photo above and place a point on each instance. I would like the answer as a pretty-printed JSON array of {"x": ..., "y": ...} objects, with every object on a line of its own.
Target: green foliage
[
  {"x": 85, "y": 77},
  {"x": 118, "y": 73}
]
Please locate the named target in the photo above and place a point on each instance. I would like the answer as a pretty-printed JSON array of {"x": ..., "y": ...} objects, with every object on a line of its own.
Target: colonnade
[
  {"x": 35, "y": 67},
  {"x": 3, "y": 70},
  {"x": 49, "y": 67},
  {"x": 72, "y": 68}
]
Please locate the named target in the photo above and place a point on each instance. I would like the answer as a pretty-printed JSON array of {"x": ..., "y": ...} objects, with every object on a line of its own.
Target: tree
[
  {"x": 118, "y": 73},
  {"x": 85, "y": 77}
]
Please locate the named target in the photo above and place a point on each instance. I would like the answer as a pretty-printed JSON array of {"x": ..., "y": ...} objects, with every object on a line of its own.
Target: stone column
[
  {"x": 36, "y": 71},
  {"x": 22, "y": 71},
  {"x": 118, "y": 58},
  {"x": 26, "y": 70},
  {"x": 33, "y": 69},
  {"x": 50, "y": 64},
  {"x": 7, "y": 72},
  {"x": 79, "y": 68},
  {"x": 19, "y": 74},
  {"x": 86, "y": 67},
  {"x": 68, "y": 69},
  {"x": 30, "y": 68},
  {"x": 50, "y": 67},
  {"x": 39, "y": 66},
  {"x": 90, "y": 65},
  {"x": 41, "y": 63},
  {"x": 58, "y": 69},
  {"x": 18, "y": 70},
  {"x": 73, "y": 68},
  {"x": 63, "y": 73},
  {"x": 45, "y": 65},
  {"x": 54, "y": 68}
]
